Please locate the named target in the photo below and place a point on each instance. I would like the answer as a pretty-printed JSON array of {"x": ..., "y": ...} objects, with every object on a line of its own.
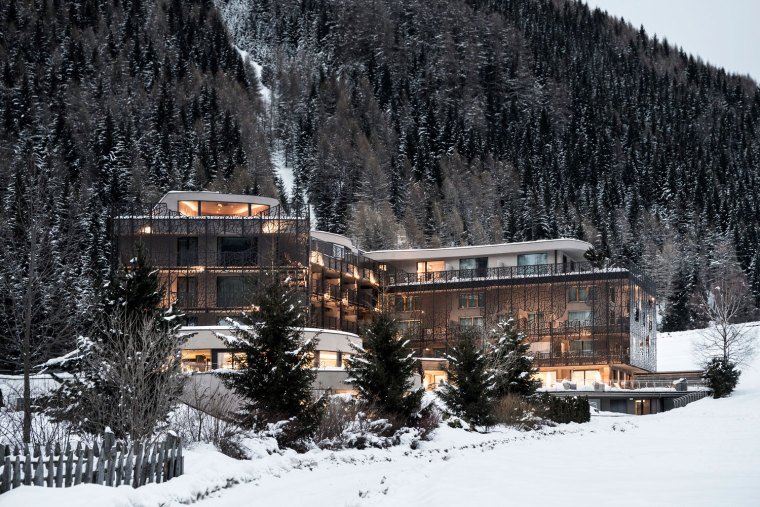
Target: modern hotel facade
[{"x": 587, "y": 323}]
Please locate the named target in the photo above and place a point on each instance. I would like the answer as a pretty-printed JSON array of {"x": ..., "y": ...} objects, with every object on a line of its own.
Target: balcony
[
  {"x": 581, "y": 357},
  {"x": 334, "y": 323},
  {"x": 500, "y": 273}
]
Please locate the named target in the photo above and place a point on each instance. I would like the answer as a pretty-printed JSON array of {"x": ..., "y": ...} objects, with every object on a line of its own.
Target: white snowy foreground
[{"x": 706, "y": 454}]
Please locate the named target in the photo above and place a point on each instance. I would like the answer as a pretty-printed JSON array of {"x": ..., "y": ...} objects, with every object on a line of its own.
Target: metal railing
[
  {"x": 697, "y": 388},
  {"x": 334, "y": 323},
  {"x": 499, "y": 273}
]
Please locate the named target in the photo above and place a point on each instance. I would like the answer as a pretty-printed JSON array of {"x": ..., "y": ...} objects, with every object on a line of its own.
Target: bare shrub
[
  {"x": 514, "y": 410},
  {"x": 430, "y": 419},
  {"x": 42, "y": 429},
  {"x": 340, "y": 413},
  {"x": 208, "y": 415},
  {"x": 129, "y": 380}
]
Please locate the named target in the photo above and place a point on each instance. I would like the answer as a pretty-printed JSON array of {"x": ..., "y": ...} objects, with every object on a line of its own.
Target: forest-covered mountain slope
[
  {"x": 104, "y": 103},
  {"x": 466, "y": 122},
  {"x": 406, "y": 123}
]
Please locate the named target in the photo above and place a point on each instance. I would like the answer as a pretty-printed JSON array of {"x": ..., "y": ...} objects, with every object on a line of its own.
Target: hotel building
[{"x": 586, "y": 323}]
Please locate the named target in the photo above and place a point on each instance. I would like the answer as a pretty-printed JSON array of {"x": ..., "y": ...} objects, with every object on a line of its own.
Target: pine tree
[
  {"x": 275, "y": 378},
  {"x": 679, "y": 310},
  {"x": 470, "y": 386},
  {"x": 721, "y": 376},
  {"x": 382, "y": 370},
  {"x": 508, "y": 362}
]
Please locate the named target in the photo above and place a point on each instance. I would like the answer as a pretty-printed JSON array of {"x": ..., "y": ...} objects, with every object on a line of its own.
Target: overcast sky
[{"x": 725, "y": 33}]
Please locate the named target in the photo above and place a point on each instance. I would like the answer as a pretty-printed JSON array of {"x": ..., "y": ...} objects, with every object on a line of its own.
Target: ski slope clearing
[{"x": 705, "y": 454}]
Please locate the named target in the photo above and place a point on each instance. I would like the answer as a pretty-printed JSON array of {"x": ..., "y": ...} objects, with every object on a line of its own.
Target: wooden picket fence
[{"x": 111, "y": 464}]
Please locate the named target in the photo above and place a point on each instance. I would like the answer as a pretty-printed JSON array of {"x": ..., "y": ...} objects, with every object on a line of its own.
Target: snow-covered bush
[
  {"x": 562, "y": 410},
  {"x": 347, "y": 423}
]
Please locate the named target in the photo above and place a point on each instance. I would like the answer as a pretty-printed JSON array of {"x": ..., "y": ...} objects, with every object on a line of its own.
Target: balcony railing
[
  {"x": 499, "y": 273},
  {"x": 580, "y": 357},
  {"x": 334, "y": 323}
]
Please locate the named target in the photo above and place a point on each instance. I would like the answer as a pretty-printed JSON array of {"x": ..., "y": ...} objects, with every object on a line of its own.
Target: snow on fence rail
[{"x": 111, "y": 464}]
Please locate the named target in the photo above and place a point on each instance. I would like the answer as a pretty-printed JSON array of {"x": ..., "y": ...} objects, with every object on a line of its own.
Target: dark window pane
[
  {"x": 236, "y": 251},
  {"x": 233, "y": 291},
  {"x": 187, "y": 291},
  {"x": 187, "y": 251}
]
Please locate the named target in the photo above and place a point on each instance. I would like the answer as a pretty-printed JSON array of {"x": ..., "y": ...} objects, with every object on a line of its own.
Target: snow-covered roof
[
  {"x": 332, "y": 237},
  {"x": 542, "y": 245}
]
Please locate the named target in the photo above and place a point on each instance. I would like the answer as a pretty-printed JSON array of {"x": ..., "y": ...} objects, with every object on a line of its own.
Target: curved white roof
[
  {"x": 171, "y": 198},
  {"x": 542, "y": 245},
  {"x": 332, "y": 237}
]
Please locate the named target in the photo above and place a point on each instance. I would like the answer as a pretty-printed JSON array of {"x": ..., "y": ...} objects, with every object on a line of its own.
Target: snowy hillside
[
  {"x": 702, "y": 455},
  {"x": 675, "y": 351}
]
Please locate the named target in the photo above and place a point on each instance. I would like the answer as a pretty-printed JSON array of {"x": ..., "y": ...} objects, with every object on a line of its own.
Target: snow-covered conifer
[
  {"x": 470, "y": 387},
  {"x": 275, "y": 376},
  {"x": 509, "y": 363},
  {"x": 382, "y": 370}
]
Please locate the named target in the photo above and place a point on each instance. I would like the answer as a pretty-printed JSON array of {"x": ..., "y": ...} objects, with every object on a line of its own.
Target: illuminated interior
[
  {"x": 231, "y": 360},
  {"x": 548, "y": 378},
  {"x": 587, "y": 377},
  {"x": 328, "y": 359},
  {"x": 215, "y": 208},
  {"x": 433, "y": 379},
  {"x": 196, "y": 359},
  {"x": 430, "y": 266}
]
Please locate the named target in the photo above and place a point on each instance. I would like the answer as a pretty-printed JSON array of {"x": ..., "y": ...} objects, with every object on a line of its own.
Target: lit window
[
  {"x": 582, "y": 317},
  {"x": 231, "y": 360},
  {"x": 188, "y": 208},
  {"x": 473, "y": 300},
  {"x": 196, "y": 359},
  {"x": 226, "y": 209},
  {"x": 328, "y": 359},
  {"x": 426, "y": 269}
]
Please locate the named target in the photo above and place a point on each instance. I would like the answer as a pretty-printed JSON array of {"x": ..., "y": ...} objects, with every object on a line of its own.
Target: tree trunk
[{"x": 26, "y": 350}]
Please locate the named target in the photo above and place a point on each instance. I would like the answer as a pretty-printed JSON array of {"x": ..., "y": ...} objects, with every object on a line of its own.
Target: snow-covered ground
[
  {"x": 705, "y": 454},
  {"x": 675, "y": 351}
]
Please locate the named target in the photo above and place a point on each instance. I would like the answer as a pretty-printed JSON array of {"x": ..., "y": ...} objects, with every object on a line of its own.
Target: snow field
[{"x": 705, "y": 454}]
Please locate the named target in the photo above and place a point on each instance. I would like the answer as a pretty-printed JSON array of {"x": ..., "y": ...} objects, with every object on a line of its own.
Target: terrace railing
[{"x": 499, "y": 273}]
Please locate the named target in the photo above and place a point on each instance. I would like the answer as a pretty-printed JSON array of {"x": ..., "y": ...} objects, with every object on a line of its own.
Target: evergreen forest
[{"x": 405, "y": 123}]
